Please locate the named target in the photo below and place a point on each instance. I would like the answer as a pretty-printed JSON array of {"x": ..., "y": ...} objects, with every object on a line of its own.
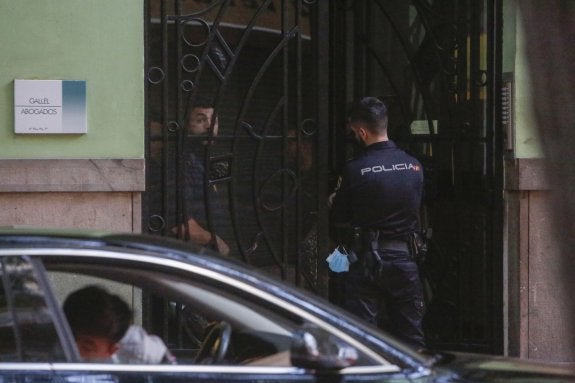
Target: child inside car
[{"x": 101, "y": 323}]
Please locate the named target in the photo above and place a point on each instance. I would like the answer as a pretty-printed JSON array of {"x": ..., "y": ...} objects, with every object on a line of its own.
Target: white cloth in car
[{"x": 137, "y": 346}]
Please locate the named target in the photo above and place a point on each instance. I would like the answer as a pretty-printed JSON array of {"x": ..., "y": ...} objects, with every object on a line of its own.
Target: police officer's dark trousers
[{"x": 399, "y": 287}]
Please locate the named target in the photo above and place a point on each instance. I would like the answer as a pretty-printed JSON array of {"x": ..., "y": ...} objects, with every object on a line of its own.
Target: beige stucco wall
[
  {"x": 548, "y": 328},
  {"x": 80, "y": 194},
  {"x": 535, "y": 327},
  {"x": 71, "y": 210}
]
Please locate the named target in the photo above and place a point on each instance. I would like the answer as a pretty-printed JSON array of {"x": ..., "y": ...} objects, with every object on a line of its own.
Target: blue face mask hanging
[{"x": 337, "y": 260}]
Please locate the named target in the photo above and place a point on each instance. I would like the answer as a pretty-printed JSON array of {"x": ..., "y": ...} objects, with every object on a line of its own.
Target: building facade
[{"x": 276, "y": 76}]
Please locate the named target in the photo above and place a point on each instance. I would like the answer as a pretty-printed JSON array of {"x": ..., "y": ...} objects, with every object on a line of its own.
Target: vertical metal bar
[
  {"x": 475, "y": 16},
  {"x": 482, "y": 312},
  {"x": 493, "y": 118},
  {"x": 165, "y": 141},
  {"x": 181, "y": 219},
  {"x": 471, "y": 302},
  {"x": 298, "y": 101},
  {"x": 360, "y": 51},
  {"x": 462, "y": 18},
  {"x": 350, "y": 46},
  {"x": 146, "y": 307},
  {"x": 146, "y": 12},
  {"x": 323, "y": 59},
  {"x": 285, "y": 82},
  {"x": 165, "y": 106},
  {"x": 337, "y": 86}
]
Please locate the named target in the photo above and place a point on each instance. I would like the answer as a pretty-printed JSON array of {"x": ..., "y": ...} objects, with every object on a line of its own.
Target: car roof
[
  {"x": 149, "y": 245},
  {"x": 21, "y": 235}
]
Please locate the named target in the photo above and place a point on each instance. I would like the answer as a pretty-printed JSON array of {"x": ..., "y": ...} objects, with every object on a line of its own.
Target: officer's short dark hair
[
  {"x": 93, "y": 311},
  {"x": 370, "y": 111}
]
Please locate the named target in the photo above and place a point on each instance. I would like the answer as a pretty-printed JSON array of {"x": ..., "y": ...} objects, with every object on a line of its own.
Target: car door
[{"x": 256, "y": 315}]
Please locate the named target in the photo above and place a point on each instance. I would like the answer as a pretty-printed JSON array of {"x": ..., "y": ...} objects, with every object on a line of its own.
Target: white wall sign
[{"x": 50, "y": 106}]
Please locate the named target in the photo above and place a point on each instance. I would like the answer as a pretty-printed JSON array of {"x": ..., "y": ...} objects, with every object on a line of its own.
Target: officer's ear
[{"x": 362, "y": 132}]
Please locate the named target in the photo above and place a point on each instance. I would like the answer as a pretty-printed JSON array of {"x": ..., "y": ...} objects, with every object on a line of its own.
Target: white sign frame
[{"x": 50, "y": 107}]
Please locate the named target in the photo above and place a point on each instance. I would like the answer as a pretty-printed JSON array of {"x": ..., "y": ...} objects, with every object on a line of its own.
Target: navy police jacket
[{"x": 380, "y": 189}]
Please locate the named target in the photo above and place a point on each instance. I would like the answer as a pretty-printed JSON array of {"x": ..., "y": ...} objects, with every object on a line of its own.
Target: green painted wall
[
  {"x": 527, "y": 143},
  {"x": 100, "y": 41},
  {"x": 527, "y": 140},
  {"x": 509, "y": 35}
]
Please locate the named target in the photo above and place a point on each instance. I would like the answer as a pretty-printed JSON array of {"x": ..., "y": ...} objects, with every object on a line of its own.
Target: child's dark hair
[{"x": 93, "y": 311}]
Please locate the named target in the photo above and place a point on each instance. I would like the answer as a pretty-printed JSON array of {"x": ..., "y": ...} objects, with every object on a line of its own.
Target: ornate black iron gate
[
  {"x": 244, "y": 101},
  {"x": 233, "y": 131},
  {"x": 435, "y": 63}
]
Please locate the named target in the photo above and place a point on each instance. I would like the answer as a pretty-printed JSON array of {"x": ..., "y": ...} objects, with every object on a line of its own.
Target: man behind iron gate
[{"x": 378, "y": 200}]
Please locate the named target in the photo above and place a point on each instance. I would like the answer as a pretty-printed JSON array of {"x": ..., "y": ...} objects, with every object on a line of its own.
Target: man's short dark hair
[
  {"x": 370, "y": 111},
  {"x": 201, "y": 100},
  {"x": 92, "y": 311}
]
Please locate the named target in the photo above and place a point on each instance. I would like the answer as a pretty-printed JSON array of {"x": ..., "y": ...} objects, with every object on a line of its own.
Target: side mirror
[{"x": 315, "y": 348}]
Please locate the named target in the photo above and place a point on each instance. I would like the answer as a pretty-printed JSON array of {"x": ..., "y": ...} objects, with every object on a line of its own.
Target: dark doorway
[
  {"x": 268, "y": 81},
  {"x": 436, "y": 65}
]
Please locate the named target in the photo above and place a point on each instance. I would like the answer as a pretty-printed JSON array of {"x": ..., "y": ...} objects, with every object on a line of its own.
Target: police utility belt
[
  {"x": 363, "y": 240},
  {"x": 390, "y": 244}
]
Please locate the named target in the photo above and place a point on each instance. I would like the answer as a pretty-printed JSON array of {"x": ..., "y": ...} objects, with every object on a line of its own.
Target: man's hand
[{"x": 201, "y": 236}]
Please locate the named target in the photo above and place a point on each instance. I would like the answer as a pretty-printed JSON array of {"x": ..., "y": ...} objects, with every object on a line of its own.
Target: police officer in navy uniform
[{"x": 379, "y": 198}]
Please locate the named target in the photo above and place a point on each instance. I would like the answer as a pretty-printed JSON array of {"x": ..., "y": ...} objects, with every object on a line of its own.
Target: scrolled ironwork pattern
[
  {"x": 246, "y": 103},
  {"x": 231, "y": 131}
]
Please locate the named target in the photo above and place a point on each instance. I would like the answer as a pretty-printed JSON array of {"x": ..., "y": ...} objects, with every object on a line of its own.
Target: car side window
[
  {"x": 192, "y": 315},
  {"x": 27, "y": 330}
]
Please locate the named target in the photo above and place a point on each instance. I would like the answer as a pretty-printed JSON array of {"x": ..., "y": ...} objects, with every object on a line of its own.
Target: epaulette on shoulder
[
  {"x": 351, "y": 159},
  {"x": 356, "y": 156}
]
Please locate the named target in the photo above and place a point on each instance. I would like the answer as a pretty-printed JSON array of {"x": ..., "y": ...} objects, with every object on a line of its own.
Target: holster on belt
[
  {"x": 365, "y": 246},
  {"x": 418, "y": 246}
]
